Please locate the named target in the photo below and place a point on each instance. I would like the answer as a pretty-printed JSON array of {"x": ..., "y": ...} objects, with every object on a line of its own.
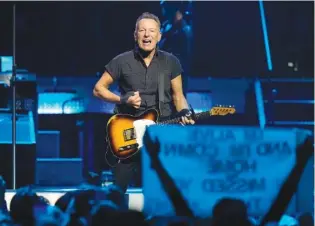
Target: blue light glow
[
  {"x": 25, "y": 129},
  {"x": 60, "y": 103},
  {"x": 265, "y": 33},
  {"x": 260, "y": 104},
  {"x": 6, "y": 63}
]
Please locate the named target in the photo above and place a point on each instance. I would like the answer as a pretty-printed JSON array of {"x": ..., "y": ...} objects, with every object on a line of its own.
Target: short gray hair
[{"x": 148, "y": 15}]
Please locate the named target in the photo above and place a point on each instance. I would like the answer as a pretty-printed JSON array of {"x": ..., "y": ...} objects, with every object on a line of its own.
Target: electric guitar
[{"x": 125, "y": 132}]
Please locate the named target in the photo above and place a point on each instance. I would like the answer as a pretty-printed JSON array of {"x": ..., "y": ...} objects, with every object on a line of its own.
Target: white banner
[{"x": 212, "y": 162}]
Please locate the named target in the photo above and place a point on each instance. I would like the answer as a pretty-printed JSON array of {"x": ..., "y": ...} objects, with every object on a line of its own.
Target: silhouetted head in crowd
[
  {"x": 105, "y": 211},
  {"x": 91, "y": 202},
  {"x": 52, "y": 214},
  {"x": 109, "y": 212},
  {"x": 81, "y": 202},
  {"x": 116, "y": 195},
  {"x": 24, "y": 205},
  {"x": 131, "y": 218},
  {"x": 229, "y": 212},
  {"x": 63, "y": 202}
]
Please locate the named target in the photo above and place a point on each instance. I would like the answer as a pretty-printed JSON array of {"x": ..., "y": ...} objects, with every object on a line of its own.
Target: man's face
[{"x": 147, "y": 34}]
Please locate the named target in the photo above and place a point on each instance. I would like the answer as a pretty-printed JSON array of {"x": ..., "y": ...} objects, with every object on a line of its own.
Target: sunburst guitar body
[{"x": 125, "y": 132}]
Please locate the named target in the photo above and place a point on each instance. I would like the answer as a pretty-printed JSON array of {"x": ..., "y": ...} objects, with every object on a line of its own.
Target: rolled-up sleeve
[{"x": 113, "y": 68}]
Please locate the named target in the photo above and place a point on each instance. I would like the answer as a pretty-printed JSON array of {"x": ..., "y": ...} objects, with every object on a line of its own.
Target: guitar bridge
[
  {"x": 128, "y": 147},
  {"x": 129, "y": 134}
]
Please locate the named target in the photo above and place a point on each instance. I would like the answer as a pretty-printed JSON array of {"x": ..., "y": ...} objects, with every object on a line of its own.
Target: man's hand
[
  {"x": 186, "y": 121},
  {"x": 134, "y": 100}
]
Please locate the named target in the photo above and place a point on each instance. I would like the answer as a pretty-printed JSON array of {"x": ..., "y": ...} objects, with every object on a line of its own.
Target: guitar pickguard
[{"x": 140, "y": 127}]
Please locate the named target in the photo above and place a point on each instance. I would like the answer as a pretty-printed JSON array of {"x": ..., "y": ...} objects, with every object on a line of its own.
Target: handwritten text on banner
[{"x": 211, "y": 162}]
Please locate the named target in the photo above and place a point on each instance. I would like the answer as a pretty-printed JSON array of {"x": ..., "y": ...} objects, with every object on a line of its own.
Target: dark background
[{"x": 79, "y": 38}]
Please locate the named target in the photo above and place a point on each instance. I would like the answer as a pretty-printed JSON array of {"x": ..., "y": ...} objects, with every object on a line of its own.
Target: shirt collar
[{"x": 137, "y": 51}]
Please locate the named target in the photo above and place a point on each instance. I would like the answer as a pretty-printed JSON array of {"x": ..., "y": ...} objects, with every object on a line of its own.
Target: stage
[{"x": 135, "y": 196}]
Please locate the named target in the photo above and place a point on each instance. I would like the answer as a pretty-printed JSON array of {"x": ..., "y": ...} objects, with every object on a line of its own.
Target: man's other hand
[{"x": 134, "y": 100}]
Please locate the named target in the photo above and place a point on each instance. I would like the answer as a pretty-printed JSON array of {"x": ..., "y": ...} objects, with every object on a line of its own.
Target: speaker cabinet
[
  {"x": 25, "y": 149},
  {"x": 58, "y": 172},
  {"x": 48, "y": 144}
]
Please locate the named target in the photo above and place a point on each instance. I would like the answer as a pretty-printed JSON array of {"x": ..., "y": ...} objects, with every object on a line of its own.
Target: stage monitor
[{"x": 6, "y": 63}]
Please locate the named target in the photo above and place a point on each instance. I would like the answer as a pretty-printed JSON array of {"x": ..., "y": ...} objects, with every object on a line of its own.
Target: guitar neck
[{"x": 177, "y": 120}]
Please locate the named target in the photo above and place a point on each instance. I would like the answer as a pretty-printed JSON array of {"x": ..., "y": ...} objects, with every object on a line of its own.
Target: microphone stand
[{"x": 13, "y": 79}]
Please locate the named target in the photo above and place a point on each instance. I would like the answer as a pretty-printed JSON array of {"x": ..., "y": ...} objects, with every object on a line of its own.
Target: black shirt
[{"x": 132, "y": 74}]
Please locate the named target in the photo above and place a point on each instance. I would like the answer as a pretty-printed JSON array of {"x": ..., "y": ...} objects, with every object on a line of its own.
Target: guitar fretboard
[{"x": 198, "y": 116}]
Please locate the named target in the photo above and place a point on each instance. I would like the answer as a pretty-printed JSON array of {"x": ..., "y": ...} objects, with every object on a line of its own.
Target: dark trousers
[{"x": 127, "y": 171}]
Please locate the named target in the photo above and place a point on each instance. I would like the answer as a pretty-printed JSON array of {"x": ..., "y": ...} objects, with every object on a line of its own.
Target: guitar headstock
[{"x": 222, "y": 110}]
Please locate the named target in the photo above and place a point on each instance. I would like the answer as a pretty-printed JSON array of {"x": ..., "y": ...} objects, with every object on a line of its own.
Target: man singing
[{"x": 137, "y": 73}]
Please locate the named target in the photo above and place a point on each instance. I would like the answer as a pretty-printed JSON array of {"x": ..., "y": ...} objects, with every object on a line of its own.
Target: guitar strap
[
  {"x": 161, "y": 83},
  {"x": 161, "y": 91}
]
